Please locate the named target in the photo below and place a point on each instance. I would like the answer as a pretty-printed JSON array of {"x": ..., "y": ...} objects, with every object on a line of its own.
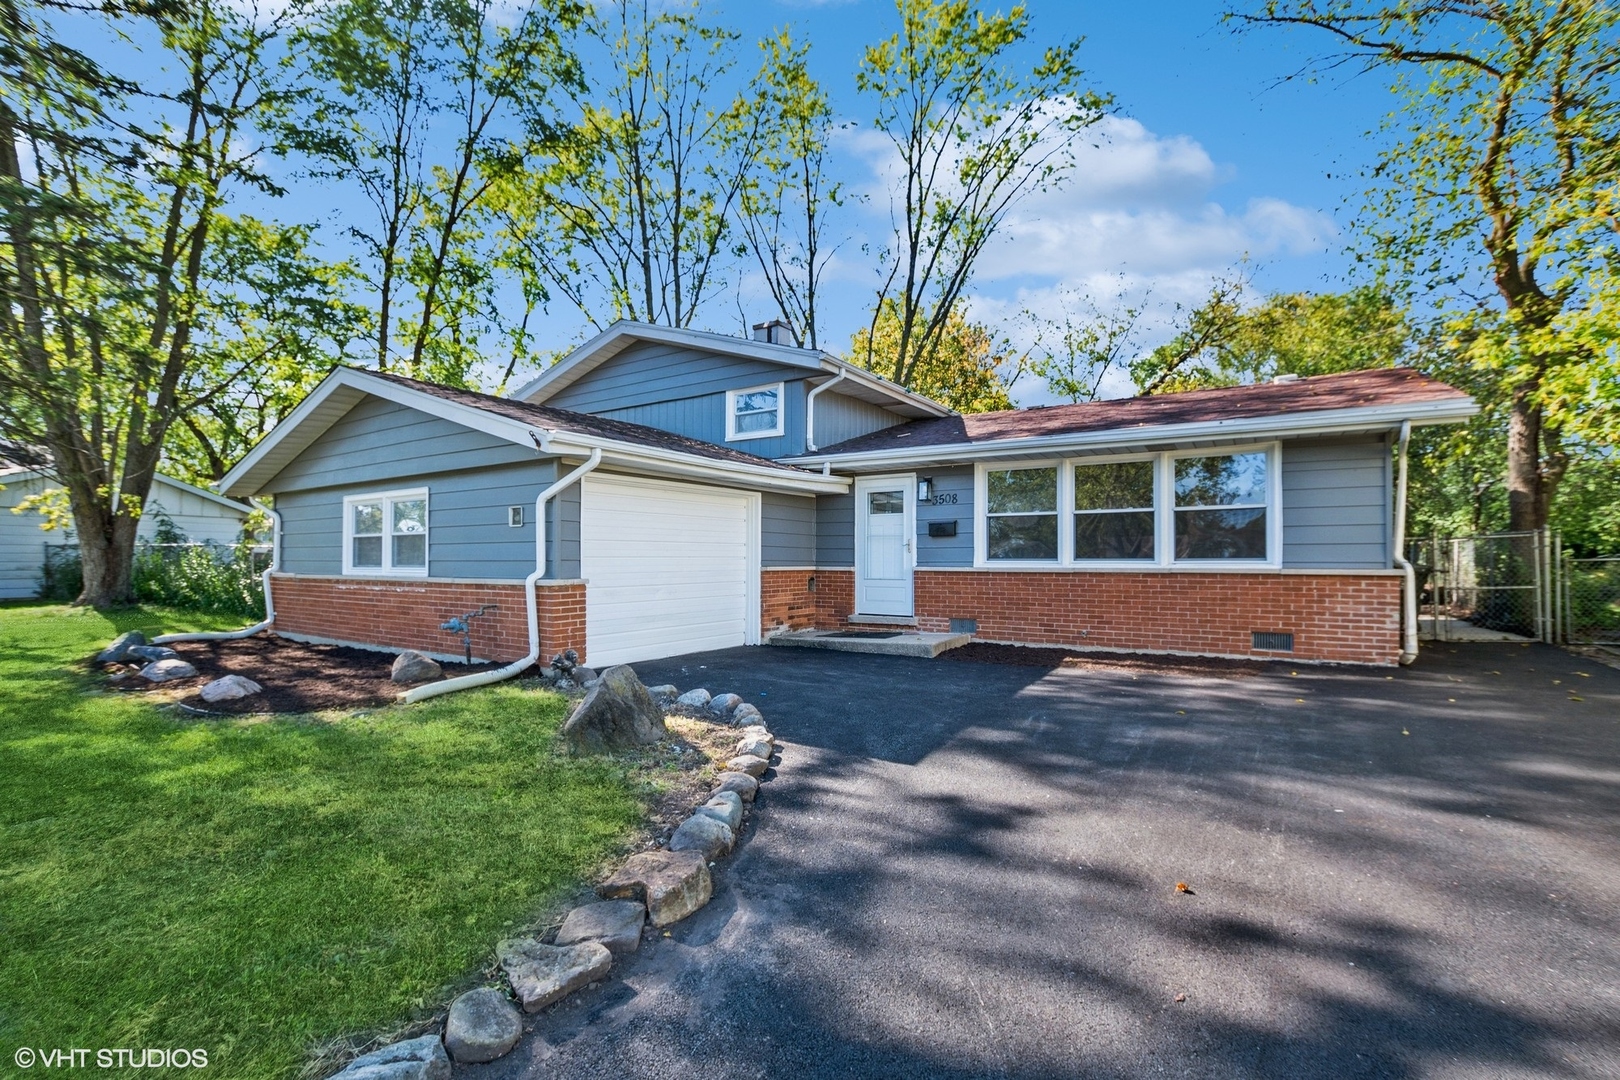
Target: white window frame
[
  {"x": 1164, "y": 512},
  {"x": 733, "y": 435},
  {"x": 387, "y": 569}
]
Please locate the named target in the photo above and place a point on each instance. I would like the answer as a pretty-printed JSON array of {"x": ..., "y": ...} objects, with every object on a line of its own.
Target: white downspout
[
  {"x": 1409, "y": 614},
  {"x": 269, "y": 601},
  {"x": 484, "y": 678},
  {"x": 810, "y": 411}
]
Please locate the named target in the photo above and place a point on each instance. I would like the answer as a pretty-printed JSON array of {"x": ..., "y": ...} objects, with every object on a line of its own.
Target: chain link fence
[
  {"x": 1491, "y": 587},
  {"x": 1590, "y": 601}
]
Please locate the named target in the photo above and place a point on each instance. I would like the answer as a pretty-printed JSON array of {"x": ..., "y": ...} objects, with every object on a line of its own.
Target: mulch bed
[
  {"x": 296, "y": 677},
  {"x": 983, "y": 652}
]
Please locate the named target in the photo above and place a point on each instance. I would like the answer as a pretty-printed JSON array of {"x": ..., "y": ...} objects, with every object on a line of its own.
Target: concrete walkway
[{"x": 969, "y": 870}]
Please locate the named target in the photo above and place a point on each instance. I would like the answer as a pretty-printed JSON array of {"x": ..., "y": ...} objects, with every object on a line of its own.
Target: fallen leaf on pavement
[
  {"x": 1183, "y": 887},
  {"x": 1180, "y": 998}
]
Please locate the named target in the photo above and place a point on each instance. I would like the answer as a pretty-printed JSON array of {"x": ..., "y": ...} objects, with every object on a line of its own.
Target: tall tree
[
  {"x": 630, "y": 217},
  {"x": 969, "y": 368},
  {"x": 785, "y": 203},
  {"x": 1501, "y": 180},
  {"x": 971, "y": 137},
  {"x": 115, "y": 295}
]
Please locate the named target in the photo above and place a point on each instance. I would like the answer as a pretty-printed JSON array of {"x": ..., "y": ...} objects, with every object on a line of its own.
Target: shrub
[{"x": 190, "y": 577}]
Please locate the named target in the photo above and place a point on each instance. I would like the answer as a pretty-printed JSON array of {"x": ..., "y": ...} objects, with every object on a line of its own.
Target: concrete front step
[{"x": 907, "y": 644}]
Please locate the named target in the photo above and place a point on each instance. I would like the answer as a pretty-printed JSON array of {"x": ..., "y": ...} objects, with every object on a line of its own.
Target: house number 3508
[{"x": 943, "y": 498}]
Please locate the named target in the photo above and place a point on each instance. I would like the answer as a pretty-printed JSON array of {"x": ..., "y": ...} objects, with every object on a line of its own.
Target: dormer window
[{"x": 755, "y": 413}]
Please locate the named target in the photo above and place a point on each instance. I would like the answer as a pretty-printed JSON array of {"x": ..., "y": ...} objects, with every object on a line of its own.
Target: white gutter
[
  {"x": 269, "y": 601},
  {"x": 810, "y": 410},
  {"x": 1409, "y": 616},
  {"x": 1322, "y": 422},
  {"x": 484, "y": 678}
]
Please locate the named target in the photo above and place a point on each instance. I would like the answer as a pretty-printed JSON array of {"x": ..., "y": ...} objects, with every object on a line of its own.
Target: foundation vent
[
  {"x": 1269, "y": 642},
  {"x": 964, "y": 626}
]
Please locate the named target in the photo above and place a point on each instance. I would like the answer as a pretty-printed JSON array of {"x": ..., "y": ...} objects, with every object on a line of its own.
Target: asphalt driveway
[{"x": 969, "y": 870}]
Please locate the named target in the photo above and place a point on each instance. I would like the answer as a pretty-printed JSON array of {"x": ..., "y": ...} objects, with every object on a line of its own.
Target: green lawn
[{"x": 257, "y": 887}]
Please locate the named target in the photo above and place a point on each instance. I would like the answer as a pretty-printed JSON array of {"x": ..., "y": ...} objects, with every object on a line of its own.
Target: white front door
[{"x": 885, "y": 527}]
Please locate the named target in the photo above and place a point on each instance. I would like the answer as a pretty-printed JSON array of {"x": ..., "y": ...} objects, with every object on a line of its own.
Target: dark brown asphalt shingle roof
[
  {"x": 1350, "y": 390},
  {"x": 581, "y": 423}
]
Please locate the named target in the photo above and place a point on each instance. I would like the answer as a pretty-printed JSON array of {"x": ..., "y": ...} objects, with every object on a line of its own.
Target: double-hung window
[
  {"x": 1171, "y": 508},
  {"x": 755, "y": 413},
  {"x": 386, "y": 533},
  {"x": 1021, "y": 507}
]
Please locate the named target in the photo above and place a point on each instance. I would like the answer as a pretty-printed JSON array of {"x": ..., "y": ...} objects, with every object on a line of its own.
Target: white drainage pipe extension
[
  {"x": 1409, "y": 615},
  {"x": 810, "y": 411},
  {"x": 484, "y": 678},
  {"x": 269, "y": 602}
]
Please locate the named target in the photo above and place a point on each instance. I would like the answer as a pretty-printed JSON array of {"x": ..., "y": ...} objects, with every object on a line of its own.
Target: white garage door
[{"x": 667, "y": 569}]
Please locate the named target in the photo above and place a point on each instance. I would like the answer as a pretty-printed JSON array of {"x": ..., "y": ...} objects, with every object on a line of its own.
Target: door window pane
[{"x": 886, "y": 502}]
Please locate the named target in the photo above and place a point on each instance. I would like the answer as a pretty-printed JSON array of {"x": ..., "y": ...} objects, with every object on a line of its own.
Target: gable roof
[
  {"x": 858, "y": 382},
  {"x": 1372, "y": 399},
  {"x": 550, "y": 430},
  {"x": 16, "y": 467}
]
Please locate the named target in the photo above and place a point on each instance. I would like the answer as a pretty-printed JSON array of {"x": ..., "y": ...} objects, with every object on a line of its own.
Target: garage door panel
[{"x": 667, "y": 568}]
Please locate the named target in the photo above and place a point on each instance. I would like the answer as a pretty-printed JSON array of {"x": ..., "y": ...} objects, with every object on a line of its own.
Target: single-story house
[
  {"x": 696, "y": 491},
  {"x": 201, "y": 515}
]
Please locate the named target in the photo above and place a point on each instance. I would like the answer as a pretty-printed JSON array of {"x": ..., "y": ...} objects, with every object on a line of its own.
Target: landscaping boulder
[
  {"x": 665, "y": 695},
  {"x": 694, "y": 699},
  {"x": 165, "y": 670},
  {"x": 725, "y": 807},
  {"x": 673, "y": 884},
  {"x": 414, "y": 1059},
  {"x": 150, "y": 653},
  {"x": 613, "y": 923},
  {"x": 483, "y": 1025},
  {"x": 745, "y": 714},
  {"x": 228, "y": 688},
  {"x": 748, "y": 763},
  {"x": 118, "y": 651},
  {"x": 411, "y": 666},
  {"x": 541, "y": 974},
  {"x": 722, "y": 704},
  {"x": 700, "y": 832},
  {"x": 618, "y": 714},
  {"x": 744, "y": 785},
  {"x": 756, "y": 747}
]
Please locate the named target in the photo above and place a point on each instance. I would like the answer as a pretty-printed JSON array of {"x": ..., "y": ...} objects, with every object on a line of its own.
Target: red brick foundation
[
  {"x": 407, "y": 614},
  {"x": 1344, "y": 618}
]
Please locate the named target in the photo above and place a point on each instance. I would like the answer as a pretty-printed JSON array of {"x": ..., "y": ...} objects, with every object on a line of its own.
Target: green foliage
[
  {"x": 972, "y": 135},
  {"x": 194, "y": 578},
  {"x": 261, "y": 887},
  {"x": 969, "y": 369}
]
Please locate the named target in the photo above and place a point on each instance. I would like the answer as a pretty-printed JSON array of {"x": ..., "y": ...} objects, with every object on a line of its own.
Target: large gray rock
[
  {"x": 411, "y": 666},
  {"x": 614, "y": 923},
  {"x": 165, "y": 670},
  {"x": 483, "y": 1025},
  {"x": 722, "y": 704},
  {"x": 618, "y": 714},
  {"x": 725, "y": 807},
  {"x": 744, "y": 785},
  {"x": 541, "y": 974},
  {"x": 745, "y": 714},
  {"x": 228, "y": 688},
  {"x": 700, "y": 832},
  {"x": 414, "y": 1059},
  {"x": 673, "y": 884},
  {"x": 118, "y": 651},
  {"x": 748, "y": 763},
  {"x": 694, "y": 699},
  {"x": 756, "y": 747},
  {"x": 150, "y": 653},
  {"x": 664, "y": 694}
]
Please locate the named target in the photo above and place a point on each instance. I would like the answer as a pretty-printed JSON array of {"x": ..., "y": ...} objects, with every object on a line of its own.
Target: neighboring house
[
  {"x": 203, "y": 516},
  {"x": 744, "y": 486}
]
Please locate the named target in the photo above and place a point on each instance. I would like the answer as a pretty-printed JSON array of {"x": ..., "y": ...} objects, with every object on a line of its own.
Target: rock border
[{"x": 667, "y": 883}]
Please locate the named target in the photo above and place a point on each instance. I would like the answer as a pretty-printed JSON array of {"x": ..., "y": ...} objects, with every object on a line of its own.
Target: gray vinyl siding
[
  {"x": 704, "y": 417},
  {"x": 649, "y": 372},
  {"x": 840, "y": 417},
  {"x": 472, "y": 479},
  {"x": 947, "y": 551},
  {"x": 787, "y": 530},
  {"x": 1337, "y": 500},
  {"x": 835, "y": 530},
  {"x": 378, "y": 441}
]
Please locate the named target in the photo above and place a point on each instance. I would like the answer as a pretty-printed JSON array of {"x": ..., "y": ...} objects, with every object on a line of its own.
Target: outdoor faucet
[{"x": 462, "y": 624}]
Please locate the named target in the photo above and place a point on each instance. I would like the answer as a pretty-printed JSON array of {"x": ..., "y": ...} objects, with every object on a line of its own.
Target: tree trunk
[{"x": 1527, "y": 500}]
